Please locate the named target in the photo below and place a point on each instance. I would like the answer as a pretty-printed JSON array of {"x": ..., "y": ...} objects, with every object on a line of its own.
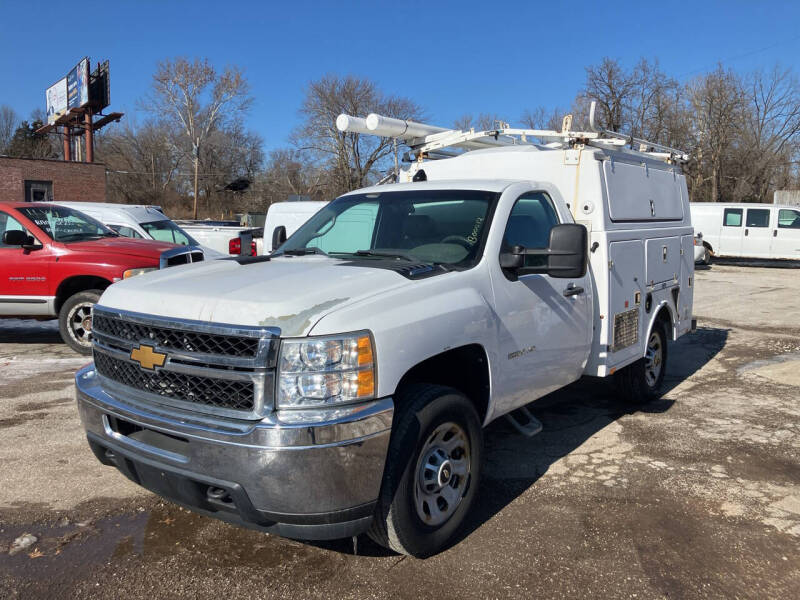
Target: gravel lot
[{"x": 696, "y": 495}]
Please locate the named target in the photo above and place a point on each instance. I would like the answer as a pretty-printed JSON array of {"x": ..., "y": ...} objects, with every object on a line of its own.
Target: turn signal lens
[{"x": 134, "y": 272}]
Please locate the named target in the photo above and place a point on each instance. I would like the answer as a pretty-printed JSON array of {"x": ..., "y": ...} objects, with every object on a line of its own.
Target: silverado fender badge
[
  {"x": 522, "y": 352},
  {"x": 147, "y": 357}
]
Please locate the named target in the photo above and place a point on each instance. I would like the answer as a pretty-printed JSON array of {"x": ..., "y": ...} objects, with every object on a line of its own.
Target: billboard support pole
[
  {"x": 67, "y": 153},
  {"x": 87, "y": 119}
]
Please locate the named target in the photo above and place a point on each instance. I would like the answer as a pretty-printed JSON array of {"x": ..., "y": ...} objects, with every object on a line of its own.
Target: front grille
[
  {"x": 175, "y": 339},
  {"x": 219, "y": 393},
  {"x": 626, "y": 329}
]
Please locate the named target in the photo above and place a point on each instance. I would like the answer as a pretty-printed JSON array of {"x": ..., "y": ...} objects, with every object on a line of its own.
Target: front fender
[{"x": 414, "y": 323}]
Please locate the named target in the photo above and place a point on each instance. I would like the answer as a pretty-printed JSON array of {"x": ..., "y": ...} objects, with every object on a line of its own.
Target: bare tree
[
  {"x": 231, "y": 158},
  {"x": 542, "y": 118},
  {"x": 145, "y": 163},
  {"x": 483, "y": 122},
  {"x": 290, "y": 172},
  {"x": 770, "y": 132},
  {"x": 612, "y": 88},
  {"x": 9, "y": 121},
  {"x": 199, "y": 100},
  {"x": 718, "y": 105},
  {"x": 350, "y": 159}
]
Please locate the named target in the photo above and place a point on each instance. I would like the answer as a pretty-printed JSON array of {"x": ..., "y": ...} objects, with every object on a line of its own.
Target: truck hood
[
  {"x": 122, "y": 245},
  {"x": 290, "y": 293}
]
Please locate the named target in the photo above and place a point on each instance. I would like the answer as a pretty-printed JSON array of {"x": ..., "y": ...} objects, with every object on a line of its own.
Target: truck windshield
[
  {"x": 166, "y": 231},
  {"x": 438, "y": 226},
  {"x": 62, "y": 224}
]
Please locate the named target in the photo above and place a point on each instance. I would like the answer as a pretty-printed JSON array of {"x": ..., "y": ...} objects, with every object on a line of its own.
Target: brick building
[{"x": 32, "y": 179}]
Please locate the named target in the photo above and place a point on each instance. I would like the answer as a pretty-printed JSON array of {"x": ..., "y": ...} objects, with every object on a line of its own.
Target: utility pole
[{"x": 196, "y": 168}]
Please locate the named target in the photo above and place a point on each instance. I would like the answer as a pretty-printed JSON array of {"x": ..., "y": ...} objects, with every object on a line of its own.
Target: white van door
[
  {"x": 731, "y": 233},
  {"x": 786, "y": 234},
  {"x": 757, "y": 233}
]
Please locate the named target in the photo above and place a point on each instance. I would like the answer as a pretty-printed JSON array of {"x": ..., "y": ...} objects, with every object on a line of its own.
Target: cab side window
[
  {"x": 8, "y": 223},
  {"x": 529, "y": 225},
  {"x": 757, "y": 217},
  {"x": 126, "y": 232},
  {"x": 789, "y": 219},
  {"x": 732, "y": 217}
]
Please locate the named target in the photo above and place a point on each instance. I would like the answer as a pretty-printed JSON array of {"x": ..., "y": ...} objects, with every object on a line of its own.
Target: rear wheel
[
  {"x": 75, "y": 320},
  {"x": 641, "y": 381},
  {"x": 432, "y": 471}
]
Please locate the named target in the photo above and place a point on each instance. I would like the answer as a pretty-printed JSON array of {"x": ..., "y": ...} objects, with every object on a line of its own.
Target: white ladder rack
[{"x": 427, "y": 141}]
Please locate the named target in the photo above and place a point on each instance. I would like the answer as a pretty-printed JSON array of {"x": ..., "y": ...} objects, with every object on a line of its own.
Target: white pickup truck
[
  {"x": 225, "y": 237},
  {"x": 341, "y": 384}
]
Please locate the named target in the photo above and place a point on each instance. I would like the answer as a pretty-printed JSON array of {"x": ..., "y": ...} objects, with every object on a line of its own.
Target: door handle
[
  {"x": 747, "y": 232},
  {"x": 774, "y": 233},
  {"x": 573, "y": 290}
]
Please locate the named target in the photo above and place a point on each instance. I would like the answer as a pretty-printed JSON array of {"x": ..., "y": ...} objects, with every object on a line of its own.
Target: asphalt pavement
[{"x": 695, "y": 495}]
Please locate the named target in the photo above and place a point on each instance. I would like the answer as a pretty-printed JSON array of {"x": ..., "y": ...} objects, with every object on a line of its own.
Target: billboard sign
[
  {"x": 78, "y": 85},
  {"x": 56, "y": 100}
]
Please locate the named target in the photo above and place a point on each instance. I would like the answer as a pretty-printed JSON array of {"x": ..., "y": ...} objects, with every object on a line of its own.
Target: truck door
[
  {"x": 757, "y": 233},
  {"x": 786, "y": 234},
  {"x": 730, "y": 237},
  {"x": 23, "y": 274},
  {"x": 545, "y": 323}
]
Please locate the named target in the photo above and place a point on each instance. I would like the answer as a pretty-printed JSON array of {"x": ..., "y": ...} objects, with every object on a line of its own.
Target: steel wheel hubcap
[
  {"x": 443, "y": 470},
  {"x": 81, "y": 323},
  {"x": 654, "y": 359}
]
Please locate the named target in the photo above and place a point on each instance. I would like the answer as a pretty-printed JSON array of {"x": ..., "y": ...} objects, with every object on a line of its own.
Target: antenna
[{"x": 592, "y": 107}]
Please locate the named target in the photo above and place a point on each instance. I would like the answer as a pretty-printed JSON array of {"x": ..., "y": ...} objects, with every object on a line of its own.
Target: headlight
[
  {"x": 328, "y": 370},
  {"x": 140, "y": 271}
]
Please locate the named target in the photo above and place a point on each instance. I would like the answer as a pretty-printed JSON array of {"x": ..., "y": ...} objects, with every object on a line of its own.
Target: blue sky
[{"x": 451, "y": 57}]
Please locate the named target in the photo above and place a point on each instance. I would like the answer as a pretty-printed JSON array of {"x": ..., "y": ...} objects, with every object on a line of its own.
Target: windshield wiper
[
  {"x": 380, "y": 254},
  {"x": 303, "y": 251},
  {"x": 77, "y": 236}
]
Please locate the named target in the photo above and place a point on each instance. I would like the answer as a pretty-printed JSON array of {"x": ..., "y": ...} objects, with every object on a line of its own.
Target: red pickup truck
[{"x": 55, "y": 262}]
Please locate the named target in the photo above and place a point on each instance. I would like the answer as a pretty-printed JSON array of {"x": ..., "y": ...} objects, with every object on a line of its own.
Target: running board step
[{"x": 524, "y": 422}]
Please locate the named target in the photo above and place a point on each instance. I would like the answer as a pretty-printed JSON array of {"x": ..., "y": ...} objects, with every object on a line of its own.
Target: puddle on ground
[{"x": 68, "y": 551}]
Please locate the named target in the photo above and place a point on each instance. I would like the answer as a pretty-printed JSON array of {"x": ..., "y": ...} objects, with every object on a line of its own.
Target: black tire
[
  {"x": 72, "y": 320},
  {"x": 424, "y": 412},
  {"x": 636, "y": 383}
]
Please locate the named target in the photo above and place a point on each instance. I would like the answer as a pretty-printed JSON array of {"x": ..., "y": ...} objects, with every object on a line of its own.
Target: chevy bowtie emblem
[{"x": 147, "y": 357}]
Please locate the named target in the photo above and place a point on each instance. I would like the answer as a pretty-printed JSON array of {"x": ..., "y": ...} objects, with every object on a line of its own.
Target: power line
[{"x": 739, "y": 56}]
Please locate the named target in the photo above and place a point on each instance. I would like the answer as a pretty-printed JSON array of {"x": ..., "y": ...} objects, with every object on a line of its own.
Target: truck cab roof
[{"x": 489, "y": 185}]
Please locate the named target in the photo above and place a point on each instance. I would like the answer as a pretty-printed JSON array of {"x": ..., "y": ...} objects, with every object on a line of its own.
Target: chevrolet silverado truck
[
  {"x": 56, "y": 261},
  {"x": 341, "y": 384}
]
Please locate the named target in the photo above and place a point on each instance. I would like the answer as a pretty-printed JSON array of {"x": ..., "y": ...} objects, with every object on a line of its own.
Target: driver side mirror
[
  {"x": 18, "y": 237},
  {"x": 278, "y": 236},
  {"x": 567, "y": 254}
]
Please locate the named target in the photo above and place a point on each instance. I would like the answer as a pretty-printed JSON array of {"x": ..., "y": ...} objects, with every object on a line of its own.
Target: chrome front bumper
[{"x": 302, "y": 474}]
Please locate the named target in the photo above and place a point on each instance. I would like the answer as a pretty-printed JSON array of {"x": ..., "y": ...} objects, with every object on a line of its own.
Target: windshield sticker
[{"x": 472, "y": 238}]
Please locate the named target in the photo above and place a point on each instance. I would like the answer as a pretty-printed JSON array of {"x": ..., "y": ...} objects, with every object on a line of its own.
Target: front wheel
[
  {"x": 432, "y": 471},
  {"x": 75, "y": 320},
  {"x": 640, "y": 381}
]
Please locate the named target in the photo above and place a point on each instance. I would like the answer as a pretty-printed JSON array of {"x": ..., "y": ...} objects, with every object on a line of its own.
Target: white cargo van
[
  {"x": 748, "y": 230},
  {"x": 290, "y": 215},
  {"x": 341, "y": 384}
]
